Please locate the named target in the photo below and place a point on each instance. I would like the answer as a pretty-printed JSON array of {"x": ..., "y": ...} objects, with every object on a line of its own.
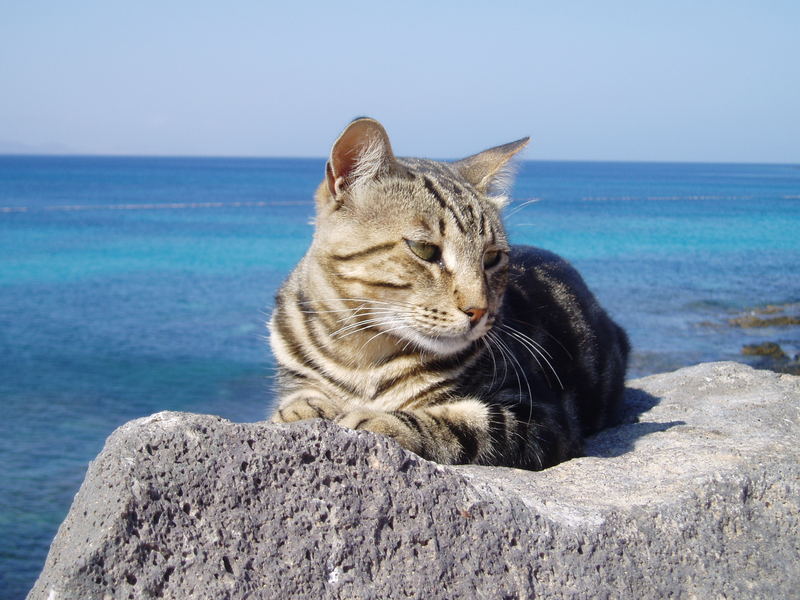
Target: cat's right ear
[
  {"x": 487, "y": 170},
  {"x": 361, "y": 153}
]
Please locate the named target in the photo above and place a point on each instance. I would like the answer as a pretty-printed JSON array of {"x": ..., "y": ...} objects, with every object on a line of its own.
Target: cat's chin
[{"x": 439, "y": 345}]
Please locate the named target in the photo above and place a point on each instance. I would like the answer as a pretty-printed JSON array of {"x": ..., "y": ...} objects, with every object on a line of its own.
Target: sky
[{"x": 612, "y": 80}]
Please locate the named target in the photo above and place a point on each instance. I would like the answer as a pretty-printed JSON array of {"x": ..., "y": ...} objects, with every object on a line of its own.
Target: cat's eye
[
  {"x": 427, "y": 252},
  {"x": 491, "y": 258}
]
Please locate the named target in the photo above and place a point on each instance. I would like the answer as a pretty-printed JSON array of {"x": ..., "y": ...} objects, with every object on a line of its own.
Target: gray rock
[{"x": 695, "y": 495}]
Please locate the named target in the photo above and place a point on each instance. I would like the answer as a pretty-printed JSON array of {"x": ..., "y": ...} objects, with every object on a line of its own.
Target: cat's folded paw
[
  {"x": 306, "y": 408},
  {"x": 383, "y": 423}
]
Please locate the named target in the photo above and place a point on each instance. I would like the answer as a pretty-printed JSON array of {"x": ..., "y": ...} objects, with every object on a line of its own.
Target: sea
[{"x": 133, "y": 285}]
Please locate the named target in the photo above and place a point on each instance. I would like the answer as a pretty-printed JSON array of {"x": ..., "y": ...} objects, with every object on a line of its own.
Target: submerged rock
[
  {"x": 695, "y": 494},
  {"x": 754, "y": 318},
  {"x": 782, "y": 321},
  {"x": 772, "y": 357},
  {"x": 756, "y": 321},
  {"x": 769, "y": 349}
]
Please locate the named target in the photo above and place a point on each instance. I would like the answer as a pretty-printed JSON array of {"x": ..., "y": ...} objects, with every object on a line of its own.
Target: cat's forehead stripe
[
  {"x": 463, "y": 198},
  {"x": 443, "y": 203}
]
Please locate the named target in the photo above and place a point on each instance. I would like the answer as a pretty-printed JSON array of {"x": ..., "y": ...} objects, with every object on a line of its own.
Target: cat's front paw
[
  {"x": 383, "y": 423},
  {"x": 306, "y": 408}
]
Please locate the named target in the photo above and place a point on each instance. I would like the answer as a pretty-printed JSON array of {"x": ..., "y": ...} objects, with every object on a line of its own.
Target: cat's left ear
[
  {"x": 361, "y": 152},
  {"x": 488, "y": 171}
]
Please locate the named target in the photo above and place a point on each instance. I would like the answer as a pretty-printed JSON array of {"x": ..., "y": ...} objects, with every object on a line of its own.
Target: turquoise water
[{"x": 134, "y": 285}]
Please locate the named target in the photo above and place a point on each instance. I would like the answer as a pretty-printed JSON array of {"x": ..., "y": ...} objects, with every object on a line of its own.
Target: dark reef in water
[
  {"x": 779, "y": 321},
  {"x": 788, "y": 315},
  {"x": 771, "y": 356},
  {"x": 756, "y": 321},
  {"x": 767, "y": 349}
]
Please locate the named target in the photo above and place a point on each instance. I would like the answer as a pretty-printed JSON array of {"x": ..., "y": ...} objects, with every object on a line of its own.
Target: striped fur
[{"x": 412, "y": 316}]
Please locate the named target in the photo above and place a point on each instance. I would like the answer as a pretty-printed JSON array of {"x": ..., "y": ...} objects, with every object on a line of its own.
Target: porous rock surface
[{"x": 695, "y": 495}]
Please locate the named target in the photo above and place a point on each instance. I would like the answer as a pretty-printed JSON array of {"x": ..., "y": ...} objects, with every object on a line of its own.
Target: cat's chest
[{"x": 389, "y": 387}]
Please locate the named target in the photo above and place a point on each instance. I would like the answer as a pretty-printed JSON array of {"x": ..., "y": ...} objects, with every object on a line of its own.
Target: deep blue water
[{"x": 134, "y": 285}]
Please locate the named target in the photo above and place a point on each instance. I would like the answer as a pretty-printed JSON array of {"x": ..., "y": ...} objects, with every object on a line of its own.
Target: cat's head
[{"x": 417, "y": 244}]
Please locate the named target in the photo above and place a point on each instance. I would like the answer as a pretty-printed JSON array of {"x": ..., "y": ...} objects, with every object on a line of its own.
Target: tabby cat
[{"x": 412, "y": 316}]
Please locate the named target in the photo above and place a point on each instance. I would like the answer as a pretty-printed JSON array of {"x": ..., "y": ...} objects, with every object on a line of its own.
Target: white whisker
[
  {"x": 383, "y": 332},
  {"x": 522, "y": 205},
  {"x": 494, "y": 363},
  {"x": 361, "y": 326},
  {"x": 370, "y": 313},
  {"x": 551, "y": 336},
  {"x": 526, "y": 337},
  {"x": 534, "y": 348},
  {"x": 491, "y": 337},
  {"x": 519, "y": 371},
  {"x": 362, "y": 300}
]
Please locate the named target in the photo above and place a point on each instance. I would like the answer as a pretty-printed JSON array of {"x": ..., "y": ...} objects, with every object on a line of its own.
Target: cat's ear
[
  {"x": 361, "y": 152},
  {"x": 488, "y": 171}
]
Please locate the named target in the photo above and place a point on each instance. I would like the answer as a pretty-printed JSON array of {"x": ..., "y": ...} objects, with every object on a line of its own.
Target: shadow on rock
[
  {"x": 621, "y": 439},
  {"x": 635, "y": 403}
]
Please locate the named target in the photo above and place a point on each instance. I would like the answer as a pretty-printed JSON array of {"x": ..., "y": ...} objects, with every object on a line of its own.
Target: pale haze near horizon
[{"x": 678, "y": 81}]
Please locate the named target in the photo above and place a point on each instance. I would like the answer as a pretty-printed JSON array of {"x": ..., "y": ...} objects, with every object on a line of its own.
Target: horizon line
[{"x": 322, "y": 158}]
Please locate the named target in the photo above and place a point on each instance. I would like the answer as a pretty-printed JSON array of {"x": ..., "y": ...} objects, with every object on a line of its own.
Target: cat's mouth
[
  {"x": 442, "y": 344},
  {"x": 408, "y": 332}
]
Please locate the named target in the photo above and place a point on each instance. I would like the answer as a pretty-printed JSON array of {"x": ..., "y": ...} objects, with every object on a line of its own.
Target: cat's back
[
  {"x": 548, "y": 301},
  {"x": 540, "y": 277}
]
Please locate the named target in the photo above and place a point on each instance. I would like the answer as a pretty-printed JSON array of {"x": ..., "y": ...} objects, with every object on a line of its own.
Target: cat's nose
[{"x": 474, "y": 314}]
